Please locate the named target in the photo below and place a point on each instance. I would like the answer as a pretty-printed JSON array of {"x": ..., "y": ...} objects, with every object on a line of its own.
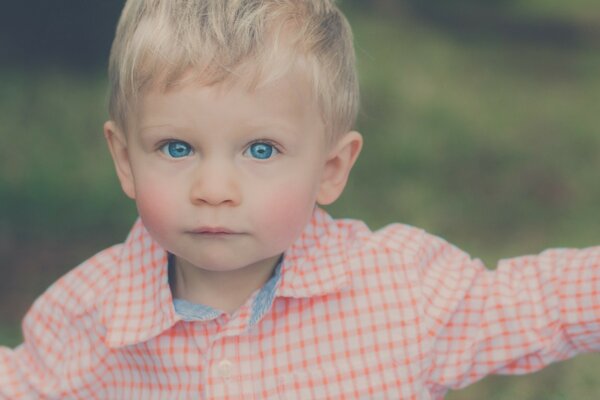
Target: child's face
[{"x": 226, "y": 178}]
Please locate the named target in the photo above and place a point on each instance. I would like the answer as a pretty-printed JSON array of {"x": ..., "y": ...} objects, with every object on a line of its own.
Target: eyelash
[
  {"x": 265, "y": 141},
  {"x": 277, "y": 147},
  {"x": 163, "y": 144}
]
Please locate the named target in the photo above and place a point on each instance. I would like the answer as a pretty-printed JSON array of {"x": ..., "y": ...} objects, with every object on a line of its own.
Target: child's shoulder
[
  {"x": 393, "y": 237},
  {"x": 412, "y": 244},
  {"x": 400, "y": 237},
  {"x": 82, "y": 288}
]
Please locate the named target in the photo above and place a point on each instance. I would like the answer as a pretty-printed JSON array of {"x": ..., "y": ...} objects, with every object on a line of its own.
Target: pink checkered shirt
[{"x": 392, "y": 314}]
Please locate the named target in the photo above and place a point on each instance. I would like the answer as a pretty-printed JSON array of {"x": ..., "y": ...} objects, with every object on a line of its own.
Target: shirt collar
[
  {"x": 316, "y": 264},
  {"x": 142, "y": 305}
]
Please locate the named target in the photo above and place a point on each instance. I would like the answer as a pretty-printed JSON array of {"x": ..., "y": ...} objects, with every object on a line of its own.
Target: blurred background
[{"x": 480, "y": 120}]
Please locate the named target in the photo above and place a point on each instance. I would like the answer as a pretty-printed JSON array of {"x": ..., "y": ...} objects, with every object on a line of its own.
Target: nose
[{"x": 215, "y": 183}]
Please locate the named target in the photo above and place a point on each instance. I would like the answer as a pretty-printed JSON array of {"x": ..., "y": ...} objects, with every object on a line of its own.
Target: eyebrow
[
  {"x": 151, "y": 127},
  {"x": 270, "y": 124}
]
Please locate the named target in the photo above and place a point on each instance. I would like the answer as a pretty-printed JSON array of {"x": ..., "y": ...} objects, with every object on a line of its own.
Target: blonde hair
[{"x": 158, "y": 41}]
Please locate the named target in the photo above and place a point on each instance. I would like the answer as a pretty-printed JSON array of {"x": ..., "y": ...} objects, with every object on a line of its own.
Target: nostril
[{"x": 215, "y": 190}]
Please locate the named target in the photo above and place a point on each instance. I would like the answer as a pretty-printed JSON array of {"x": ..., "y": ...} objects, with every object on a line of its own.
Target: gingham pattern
[{"x": 394, "y": 314}]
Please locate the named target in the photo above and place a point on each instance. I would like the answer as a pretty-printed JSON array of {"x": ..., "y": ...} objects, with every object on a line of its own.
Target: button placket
[{"x": 225, "y": 369}]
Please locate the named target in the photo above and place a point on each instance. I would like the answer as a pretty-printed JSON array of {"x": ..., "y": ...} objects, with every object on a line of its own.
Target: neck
[{"x": 223, "y": 290}]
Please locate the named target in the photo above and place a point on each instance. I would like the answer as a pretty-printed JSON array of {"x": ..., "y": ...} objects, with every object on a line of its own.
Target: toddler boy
[{"x": 231, "y": 120}]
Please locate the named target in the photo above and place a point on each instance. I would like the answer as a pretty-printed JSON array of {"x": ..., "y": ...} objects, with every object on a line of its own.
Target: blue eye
[
  {"x": 176, "y": 149},
  {"x": 262, "y": 150}
]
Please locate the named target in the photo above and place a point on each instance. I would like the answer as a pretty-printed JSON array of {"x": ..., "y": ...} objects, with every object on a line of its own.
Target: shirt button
[{"x": 225, "y": 369}]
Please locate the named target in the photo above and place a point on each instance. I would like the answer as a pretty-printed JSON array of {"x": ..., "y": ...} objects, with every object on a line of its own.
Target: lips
[{"x": 213, "y": 230}]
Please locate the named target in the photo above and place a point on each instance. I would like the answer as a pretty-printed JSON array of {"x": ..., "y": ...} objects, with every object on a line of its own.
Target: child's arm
[
  {"x": 530, "y": 312},
  {"x": 58, "y": 358},
  {"x": 49, "y": 364},
  {"x": 33, "y": 369}
]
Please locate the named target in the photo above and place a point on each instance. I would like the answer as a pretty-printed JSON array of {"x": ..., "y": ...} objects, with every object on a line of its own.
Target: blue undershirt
[{"x": 199, "y": 312}]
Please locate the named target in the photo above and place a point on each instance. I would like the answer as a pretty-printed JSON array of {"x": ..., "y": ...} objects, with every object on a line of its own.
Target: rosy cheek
[
  {"x": 287, "y": 211},
  {"x": 155, "y": 207}
]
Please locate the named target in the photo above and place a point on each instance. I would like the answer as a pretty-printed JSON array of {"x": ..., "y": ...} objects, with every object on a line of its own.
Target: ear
[
  {"x": 337, "y": 167},
  {"x": 117, "y": 144}
]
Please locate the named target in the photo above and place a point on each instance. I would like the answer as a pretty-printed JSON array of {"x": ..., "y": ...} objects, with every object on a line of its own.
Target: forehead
[
  {"x": 282, "y": 100},
  {"x": 252, "y": 74}
]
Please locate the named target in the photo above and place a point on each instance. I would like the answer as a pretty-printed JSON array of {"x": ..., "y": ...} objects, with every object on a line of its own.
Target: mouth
[{"x": 213, "y": 231}]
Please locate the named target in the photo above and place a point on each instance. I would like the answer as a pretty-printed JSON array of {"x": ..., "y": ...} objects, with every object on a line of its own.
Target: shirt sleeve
[
  {"x": 60, "y": 356},
  {"x": 529, "y": 312},
  {"x": 33, "y": 368}
]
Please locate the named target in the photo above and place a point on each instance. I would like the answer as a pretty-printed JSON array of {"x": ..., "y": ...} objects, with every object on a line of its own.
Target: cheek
[
  {"x": 286, "y": 211},
  {"x": 156, "y": 207}
]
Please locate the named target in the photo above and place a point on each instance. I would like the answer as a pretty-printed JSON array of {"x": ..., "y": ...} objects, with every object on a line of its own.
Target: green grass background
[{"x": 486, "y": 138}]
